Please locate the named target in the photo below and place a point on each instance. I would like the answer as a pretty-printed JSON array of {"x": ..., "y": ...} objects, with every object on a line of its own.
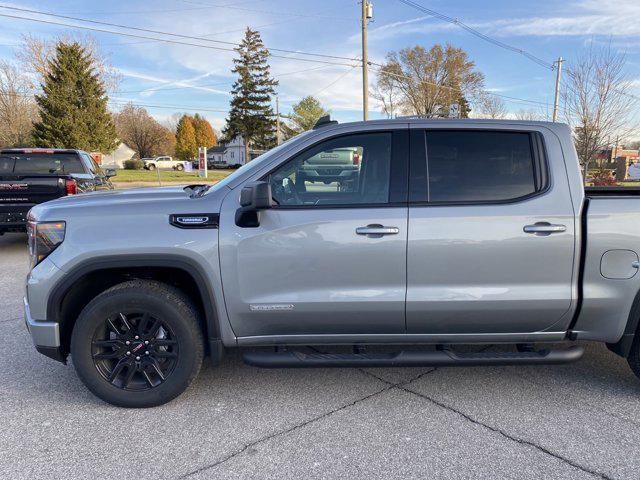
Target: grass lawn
[{"x": 168, "y": 176}]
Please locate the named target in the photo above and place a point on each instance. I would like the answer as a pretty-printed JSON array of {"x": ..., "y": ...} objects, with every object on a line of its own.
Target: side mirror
[
  {"x": 110, "y": 172},
  {"x": 255, "y": 196}
]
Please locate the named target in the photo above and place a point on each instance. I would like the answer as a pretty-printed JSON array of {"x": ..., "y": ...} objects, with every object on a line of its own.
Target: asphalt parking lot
[{"x": 572, "y": 421}]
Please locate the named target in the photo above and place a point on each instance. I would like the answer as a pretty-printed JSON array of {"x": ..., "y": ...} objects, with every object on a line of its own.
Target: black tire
[
  {"x": 633, "y": 359},
  {"x": 179, "y": 168},
  {"x": 155, "y": 302},
  {"x": 151, "y": 167}
]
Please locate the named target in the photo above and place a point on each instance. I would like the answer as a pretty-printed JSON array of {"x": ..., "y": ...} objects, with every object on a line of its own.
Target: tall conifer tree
[
  {"x": 73, "y": 105},
  {"x": 251, "y": 114}
]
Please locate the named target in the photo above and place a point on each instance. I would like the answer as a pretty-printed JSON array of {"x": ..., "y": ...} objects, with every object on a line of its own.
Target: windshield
[
  {"x": 254, "y": 164},
  {"x": 38, "y": 163}
]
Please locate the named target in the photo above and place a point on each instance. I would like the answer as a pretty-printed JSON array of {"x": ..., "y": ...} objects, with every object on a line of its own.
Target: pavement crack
[
  {"x": 403, "y": 386},
  {"x": 506, "y": 435},
  {"x": 399, "y": 384},
  {"x": 285, "y": 432}
]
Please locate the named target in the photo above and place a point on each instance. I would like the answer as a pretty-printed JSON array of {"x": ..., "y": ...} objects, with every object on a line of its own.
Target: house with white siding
[{"x": 231, "y": 154}]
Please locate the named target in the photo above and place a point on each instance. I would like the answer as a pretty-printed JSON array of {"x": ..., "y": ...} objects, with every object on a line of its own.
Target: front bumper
[{"x": 45, "y": 335}]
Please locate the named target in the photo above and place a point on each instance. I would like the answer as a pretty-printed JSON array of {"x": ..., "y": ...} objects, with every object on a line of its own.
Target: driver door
[{"x": 330, "y": 257}]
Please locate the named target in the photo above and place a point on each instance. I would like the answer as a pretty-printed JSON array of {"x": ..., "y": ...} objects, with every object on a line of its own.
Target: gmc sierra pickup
[
  {"x": 453, "y": 232},
  {"x": 36, "y": 175}
]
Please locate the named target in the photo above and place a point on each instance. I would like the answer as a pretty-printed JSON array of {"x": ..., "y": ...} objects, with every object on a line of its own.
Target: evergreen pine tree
[
  {"x": 186, "y": 146},
  {"x": 73, "y": 105},
  {"x": 251, "y": 114}
]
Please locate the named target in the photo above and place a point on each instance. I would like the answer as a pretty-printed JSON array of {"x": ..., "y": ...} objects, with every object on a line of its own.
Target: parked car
[
  {"x": 453, "y": 232},
  {"x": 340, "y": 165},
  {"x": 163, "y": 163},
  {"x": 33, "y": 175}
]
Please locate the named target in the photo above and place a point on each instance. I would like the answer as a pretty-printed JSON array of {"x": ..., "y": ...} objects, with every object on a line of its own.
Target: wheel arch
[
  {"x": 89, "y": 279},
  {"x": 623, "y": 346}
]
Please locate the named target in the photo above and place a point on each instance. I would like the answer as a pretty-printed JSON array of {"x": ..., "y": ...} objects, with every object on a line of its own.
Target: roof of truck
[
  {"x": 423, "y": 120},
  {"x": 39, "y": 150}
]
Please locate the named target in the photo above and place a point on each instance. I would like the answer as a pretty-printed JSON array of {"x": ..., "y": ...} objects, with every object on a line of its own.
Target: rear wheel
[
  {"x": 633, "y": 359},
  {"x": 138, "y": 344},
  {"x": 179, "y": 167}
]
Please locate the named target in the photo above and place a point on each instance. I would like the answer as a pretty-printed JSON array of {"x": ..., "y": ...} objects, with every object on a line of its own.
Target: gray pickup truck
[{"x": 454, "y": 232}]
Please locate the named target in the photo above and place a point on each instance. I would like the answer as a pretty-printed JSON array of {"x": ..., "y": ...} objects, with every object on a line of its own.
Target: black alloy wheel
[
  {"x": 134, "y": 351},
  {"x": 138, "y": 344}
]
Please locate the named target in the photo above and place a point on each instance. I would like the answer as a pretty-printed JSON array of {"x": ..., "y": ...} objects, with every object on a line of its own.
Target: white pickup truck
[
  {"x": 164, "y": 162},
  {"x": 451, "y": 232}
]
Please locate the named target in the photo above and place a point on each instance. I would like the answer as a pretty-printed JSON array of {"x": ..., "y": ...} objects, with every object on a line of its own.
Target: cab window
[{"x": 347, "y": 170}]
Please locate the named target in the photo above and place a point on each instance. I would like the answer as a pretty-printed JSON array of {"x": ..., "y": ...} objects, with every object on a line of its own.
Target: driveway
[{"x": 573, "y": 421}]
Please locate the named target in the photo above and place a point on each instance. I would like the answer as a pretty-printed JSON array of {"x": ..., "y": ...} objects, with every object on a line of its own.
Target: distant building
[
  {"x": 117, "y": 158},
  {"x": 610, "y": 155},
  {"x": 231, "y": 154}
]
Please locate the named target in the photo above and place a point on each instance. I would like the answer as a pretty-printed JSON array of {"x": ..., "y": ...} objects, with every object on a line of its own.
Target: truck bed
[{"x": 591, "y": 192}]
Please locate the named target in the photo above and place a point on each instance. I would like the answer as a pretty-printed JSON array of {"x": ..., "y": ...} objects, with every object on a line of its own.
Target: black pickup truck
[{"x": 32, "y": 176}]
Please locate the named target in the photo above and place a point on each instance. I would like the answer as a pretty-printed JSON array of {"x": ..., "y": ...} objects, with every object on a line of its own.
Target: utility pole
[
  {"x": 278, "y": 135},
  {"x": 557, "y": 96},
  {"x": 367, "y": 13}
]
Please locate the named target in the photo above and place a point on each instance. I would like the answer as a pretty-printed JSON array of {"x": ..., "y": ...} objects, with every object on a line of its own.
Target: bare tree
[
  {"x": 597, "y": 102},
  {"x": 529, "y": 114},
  {"x": 18, "y": 109},
  {"x": 143, "y": 133},
  {"x": 427, "y": 82},
  {"x": 490, "y": 106},
  {"x": 385, "y": 90},
  {"x": 171, "y": 123},
  {"x": 36, "y": 53}
]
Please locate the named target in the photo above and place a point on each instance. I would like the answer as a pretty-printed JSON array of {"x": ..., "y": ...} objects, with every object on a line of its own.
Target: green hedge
[{"x": 133, "y": 164}]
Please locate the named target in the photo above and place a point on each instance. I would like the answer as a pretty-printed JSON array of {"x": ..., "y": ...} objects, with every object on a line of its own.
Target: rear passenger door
[{"x": 491, "y": 232}]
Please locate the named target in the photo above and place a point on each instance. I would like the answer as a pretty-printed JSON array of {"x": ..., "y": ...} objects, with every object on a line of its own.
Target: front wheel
[
  {"x": 138, "y": 344},
  {"x": 151, "y": 167}
]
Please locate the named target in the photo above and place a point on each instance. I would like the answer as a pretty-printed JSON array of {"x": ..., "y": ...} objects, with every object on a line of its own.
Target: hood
[
  {"x": 135, "y": 201},
  {"x": 133, "y": 195}
]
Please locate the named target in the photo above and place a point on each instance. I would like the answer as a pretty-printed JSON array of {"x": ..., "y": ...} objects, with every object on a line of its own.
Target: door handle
[
  {"x": 377, "y": 230},
  {"x": 544, "y": 228}
]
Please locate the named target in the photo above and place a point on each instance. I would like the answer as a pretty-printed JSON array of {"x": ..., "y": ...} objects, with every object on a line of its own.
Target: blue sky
[{"x": 180, "y": 78}]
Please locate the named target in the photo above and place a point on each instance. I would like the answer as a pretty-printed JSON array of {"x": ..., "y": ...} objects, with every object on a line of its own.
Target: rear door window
[
  {"x": 91, "y": 164},
  {"x": 39, "y": 163},
  {"x": 479, "y": 166}
]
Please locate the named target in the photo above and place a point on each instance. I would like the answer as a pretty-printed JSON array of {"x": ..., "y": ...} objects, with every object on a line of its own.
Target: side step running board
[{"x": 438, "y": 358}]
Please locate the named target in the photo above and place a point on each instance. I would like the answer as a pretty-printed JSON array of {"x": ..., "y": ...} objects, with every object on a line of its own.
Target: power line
[
  {"x": 165, "y": 40},
  {"x": 340, "y": 77},
  {"x": 159, "y": 32},
  {"x": 478, "y": 34},
  {"x": 172, "y": 107},
  {"x": 271, "y": 12},
  {"x": 217, "y": 83}
]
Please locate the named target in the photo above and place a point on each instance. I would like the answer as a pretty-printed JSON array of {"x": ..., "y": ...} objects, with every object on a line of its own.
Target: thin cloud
[
  {"x": 167, "y": 83},
  {"x": 587, "y": 18}
]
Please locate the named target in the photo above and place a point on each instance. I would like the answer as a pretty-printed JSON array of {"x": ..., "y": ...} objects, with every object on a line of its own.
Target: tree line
[{"x": 69, "y": 107}]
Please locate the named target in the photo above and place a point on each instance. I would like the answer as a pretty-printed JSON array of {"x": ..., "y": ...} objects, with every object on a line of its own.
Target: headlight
[{"x": 44, "y": 238}]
